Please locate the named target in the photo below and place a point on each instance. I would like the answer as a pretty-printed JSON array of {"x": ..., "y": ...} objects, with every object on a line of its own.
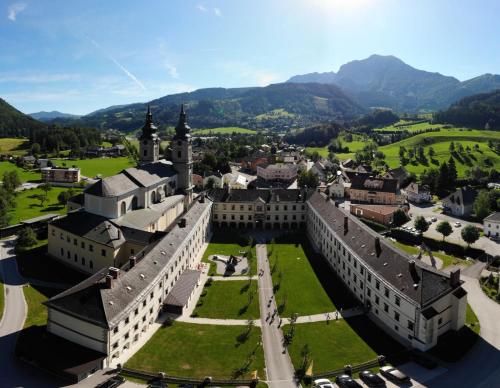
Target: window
[
  {"x": 76, "y": 257},
  {"x": 115, "y": 330},
  {"x": 397, "y": 300},
  {"x": 62, "y": 252},
  {"x": 386, "y": 307},
  {"x": 68, "y": 254},
  {"x": 136, "y": 312},
  {"x": 369, "y": 277},
  {"x": 115, "y": 345},
  {"x": 410, "y": 325},
  {"x": 368, "y": 292},
  {"x": 376, "y": 299},
  {"x": 82, "y": 245},
  {"x": 103, "y": 252},
  {"x": 440, "y": 321},
  {"x": 386, "y": 292},
  {"x": 83, "y": 260},
  {"x": 396, "y": 316},
  {"x": 91, "y": 264},
  {"x": 127, "y": 320},
  {"x": 91, "y": 248},
  {"x": 75, "y": 242},
  {"x": 377, "y": 284}
]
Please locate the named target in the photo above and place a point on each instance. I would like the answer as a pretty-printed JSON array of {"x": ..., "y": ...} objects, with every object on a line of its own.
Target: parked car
[
  {"x": 112, "y": 382},
  {"x": 371, "y": 379},
  {"x": 323, "y": 383},
  {"x": 346, "y": 381},
  {"x": 391, "y": 373},
  {"x": 434, "y": 219},
  {"x": 458, "y": 224}
]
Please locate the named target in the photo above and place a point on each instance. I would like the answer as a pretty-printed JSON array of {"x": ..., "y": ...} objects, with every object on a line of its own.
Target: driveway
[{"x": 489, "y": 246}]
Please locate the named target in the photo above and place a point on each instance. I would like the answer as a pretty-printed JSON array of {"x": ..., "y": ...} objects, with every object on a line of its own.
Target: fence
[
  {"x": 349, "y": 369},
  {"x": 207, "y": 381}
]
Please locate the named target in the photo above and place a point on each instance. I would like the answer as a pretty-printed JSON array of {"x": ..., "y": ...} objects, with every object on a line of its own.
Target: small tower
[
  {"x": 149, "y": 143},
  {"x": 182, "y": 157}
]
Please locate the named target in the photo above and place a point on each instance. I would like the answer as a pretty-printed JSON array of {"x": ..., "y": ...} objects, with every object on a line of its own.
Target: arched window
[
  {"x": 153, "y": 197},
  {"x": 134, "y": 203},
  {"x": 123, "y": 208}
]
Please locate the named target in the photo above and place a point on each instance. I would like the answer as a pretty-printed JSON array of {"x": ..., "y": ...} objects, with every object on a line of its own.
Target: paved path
[
  {"x": 216, "y": 321},
  {"x": 481, "y": 366},
  {"x": 323, "y": 317},
  {"x": 229, "y": 278},
  {"x": 279, "y": 368}
]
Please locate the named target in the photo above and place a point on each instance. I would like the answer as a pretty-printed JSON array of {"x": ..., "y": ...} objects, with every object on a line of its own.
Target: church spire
[
  {"x": 182, "y": 128},
  {"x": 149, "y": 128}
]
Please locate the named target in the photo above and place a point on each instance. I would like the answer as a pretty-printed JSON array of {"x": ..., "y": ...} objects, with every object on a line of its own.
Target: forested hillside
[{"x": 14, "y": 123}]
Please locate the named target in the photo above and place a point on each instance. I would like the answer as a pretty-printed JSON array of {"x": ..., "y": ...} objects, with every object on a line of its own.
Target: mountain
[
  {"x": 47, "y": 116},
  {"x": 386, "y": 81},
  {"x": 477, "y": 111},
  {"x": 14, "y": 123},
  {"x": 273, "y": 106}
]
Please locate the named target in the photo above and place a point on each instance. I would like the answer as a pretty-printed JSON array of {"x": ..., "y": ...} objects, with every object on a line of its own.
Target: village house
[
  {"x": 460, "y": 202},
  {"x": 417, "y": 193},
  {"x": 491, "y": 226}
]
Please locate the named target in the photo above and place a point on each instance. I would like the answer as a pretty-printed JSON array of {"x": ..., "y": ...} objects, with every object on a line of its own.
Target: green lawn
[
  {"x": 37, "y": 312},
  {"x": 409, "y": 126},
  {"x": 299, "y": 288},
  {"x": 185, "y": 349},
  {"x": 355, "y": 145},
  {"x": 440, "y": 142},
  {"x": 224, "y": 131},
  {"x": 14, "y": 146},
  {"x": 27, "y": 206},
  {"x": 93, "y": 167},
  {"x": 24, "y": 175},
  {"x": 339, "y": 343},
  {"x": 226, "y": 244},
  {"x": 229, "y": 300}
]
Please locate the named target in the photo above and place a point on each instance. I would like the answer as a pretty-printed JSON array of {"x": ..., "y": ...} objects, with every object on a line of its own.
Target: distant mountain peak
[{"x": 47, "y": 116}]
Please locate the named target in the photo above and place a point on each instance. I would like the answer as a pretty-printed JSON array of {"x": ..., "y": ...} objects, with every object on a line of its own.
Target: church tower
[
  {"x": 182, "y": 157},
  {"x": 149, "y": 143}
]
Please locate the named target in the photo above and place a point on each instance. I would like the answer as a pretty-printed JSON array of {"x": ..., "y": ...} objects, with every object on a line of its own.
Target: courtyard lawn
[
  {"x": 98, "y": 166},
  {"x": 24, "y": 175},
  {"x": 226, "y": 243},
  {"x": 339, "y": 343},
  {"x": 193, "y": 350},
  {"x": 224, "y": 131},
  {"x": 37, "y": 312},
  {"x": 229, "y": 300},
  {"x": 299, "y": 289},
  {"x": 28, "y": 206},
  {"x": 14, "y": 146}
]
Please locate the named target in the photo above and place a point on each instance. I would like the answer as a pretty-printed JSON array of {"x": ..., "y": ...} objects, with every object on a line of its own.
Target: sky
[{"x": 79, "y": 56}]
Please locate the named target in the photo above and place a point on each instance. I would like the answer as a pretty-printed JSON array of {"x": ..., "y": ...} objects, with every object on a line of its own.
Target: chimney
[
  {"x": 182, "y": 223},
  {"x": 202, "y": 198},
  {"x": 378, "y": 247},
  {"x": 336, "y": 203},
  {"x": 113, "y": 272},
  {"x": 132, "y": 261},
  {"x": 119, "y": 234},
  {"x": 412, "y": 266},
  {"x": 346, "y": 224},
  {"x": 455, "y": 278},
  {"x": 109, "y": 281}
]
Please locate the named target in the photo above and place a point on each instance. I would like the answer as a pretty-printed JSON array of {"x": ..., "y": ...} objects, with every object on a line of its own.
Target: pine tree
[
  {"x": 452, "y": 174},
  {"x": 443, "y": 178}
]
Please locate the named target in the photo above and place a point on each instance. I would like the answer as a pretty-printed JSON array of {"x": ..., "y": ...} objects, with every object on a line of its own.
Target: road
[
  {"x": 280, "y": 372},
  {"x": 489, "y": 246}
]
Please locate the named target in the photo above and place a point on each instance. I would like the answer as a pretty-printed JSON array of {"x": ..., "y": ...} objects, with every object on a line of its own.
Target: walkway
[
  {"x": 220, "y": 278},
  {"x": 279, "y": 368}
]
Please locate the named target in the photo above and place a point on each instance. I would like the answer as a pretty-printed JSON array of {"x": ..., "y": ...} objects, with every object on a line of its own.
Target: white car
[
  {"x": 434, "y": 219},
  {"x": 458, "y": 224},
  {"x": 323, "y": 383}
]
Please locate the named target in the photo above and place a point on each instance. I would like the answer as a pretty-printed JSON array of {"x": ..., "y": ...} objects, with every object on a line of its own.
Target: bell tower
[
  {"x": 182, "y": 158},
  {"x": 149, "y": 143}
]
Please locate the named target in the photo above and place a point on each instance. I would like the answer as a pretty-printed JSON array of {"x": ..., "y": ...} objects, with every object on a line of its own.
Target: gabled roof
[
  {"x": 495, "y": 217},
  {"x": 266, "y": 195},
  {"x": 374, "y": 184},
  {"x": 150, "y": 174},
  {"x": 112, "y": 186},
  {"x": 183, "y": 288},
  {"x": 398, "y": 172},
  {"x": 423, "y": 284}
]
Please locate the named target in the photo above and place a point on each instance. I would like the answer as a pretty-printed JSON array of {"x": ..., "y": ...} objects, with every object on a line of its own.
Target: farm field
[
  {"x": 224, "y": 131},
  {"x": 274, "y": 114},
  {"x": 440, "y": 142},
  {"x": 103, "y": 166},
  {"x": 27, "y": 206},
  {"x": 403, "y": 125},
  {"x": 357, "y": 144},
  {"x": 24, "y": 175},
  {"x": 200, "y": 350},
  {"x": 13, "y": 146}
]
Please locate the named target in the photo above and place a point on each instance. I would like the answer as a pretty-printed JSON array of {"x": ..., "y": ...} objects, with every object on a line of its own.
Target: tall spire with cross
[
  {"x": 149, "y": 143},
  {"x": 182, "y": 158}
]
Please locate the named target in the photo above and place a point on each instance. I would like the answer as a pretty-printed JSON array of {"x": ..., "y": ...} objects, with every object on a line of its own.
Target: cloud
[
  {"x": 14, "y": 9},
  {"x": 166, "y": 62},
  {"x": 118, "y": 64},
  {"x": 201, "y": 8},
  {"x": 217, "y": 12}
]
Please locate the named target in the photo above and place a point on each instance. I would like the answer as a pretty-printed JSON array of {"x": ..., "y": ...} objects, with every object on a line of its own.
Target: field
[
  {"x": 224, "y": 131},
  {"x": 355, "y": 145},
  {"x": 274, "y": 114},
  {"x": 25, "y": 176},
  {"x": 195, "y": 350},
  {"x": 27, "y": 206},
  {"x": 229, "y": 300},
  {"x": 93, "y": 167},
  {"x": 338, "y": 343},
  {"x": 13, "y": 146},
  {"x": 408, "y": 126},
  {"x": 297, "y": 288},
  {"x": 440, "y": 142}
]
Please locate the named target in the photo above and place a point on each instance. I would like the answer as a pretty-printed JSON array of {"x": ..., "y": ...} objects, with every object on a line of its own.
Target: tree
[
  {"x": 443, "y": 178},
  {"x": 430, "y": 152},
  {"x": 41, "y": 197},
  {"x": 421, "y": 224},
  {"x": 35, "y": 149},
  {"x": 46, "y": 187},
  {"x": 444, "y": 228},
  {"x": 452, "y": 173},
  {"x": 4, "y": 212},
  {"x": 63, "y": 197},
  {"x": 399, "y": 217},
  {"x": 11, "y": 181},
  {"x": 452, "y": 147},
  {"x": 26, "y": 238},
  {"x": 308, "y": 178},
  {"x": 470, "y": 234},
  {"x": 482, "y": 204}
]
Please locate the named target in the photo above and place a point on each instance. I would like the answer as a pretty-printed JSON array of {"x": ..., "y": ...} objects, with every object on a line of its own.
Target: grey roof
[
  {"x": 92, "y": 227},
  {"x": 398, "y": 172},
  {"x": 392, "y": 264},
  {"x": 112, "y": 186},
  {"x": 374, "y": 184},
  {"x": 150, "y": 173},
  {"x": 267, "y": 195},
  {"x": 493, "y": 217},
  {"x": 92, "y": 301},
  {"x": 142, "y": 218},
  {"x": 183, "y": 288},
  {"x": 45, "y": 217}
]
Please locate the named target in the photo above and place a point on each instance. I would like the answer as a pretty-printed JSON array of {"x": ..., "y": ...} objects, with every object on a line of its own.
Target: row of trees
[
  {"x": 470, "y": 234},
  {"x": 10, "y": 181},
  {"x": 443, "y": 180}
]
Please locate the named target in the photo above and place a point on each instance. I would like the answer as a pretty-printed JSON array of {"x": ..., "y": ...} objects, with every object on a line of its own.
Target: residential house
[
  {"x": 459, "y": 203},
  {"x": 491, "y": 226},
  {"x": 417, "y": 193}
]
